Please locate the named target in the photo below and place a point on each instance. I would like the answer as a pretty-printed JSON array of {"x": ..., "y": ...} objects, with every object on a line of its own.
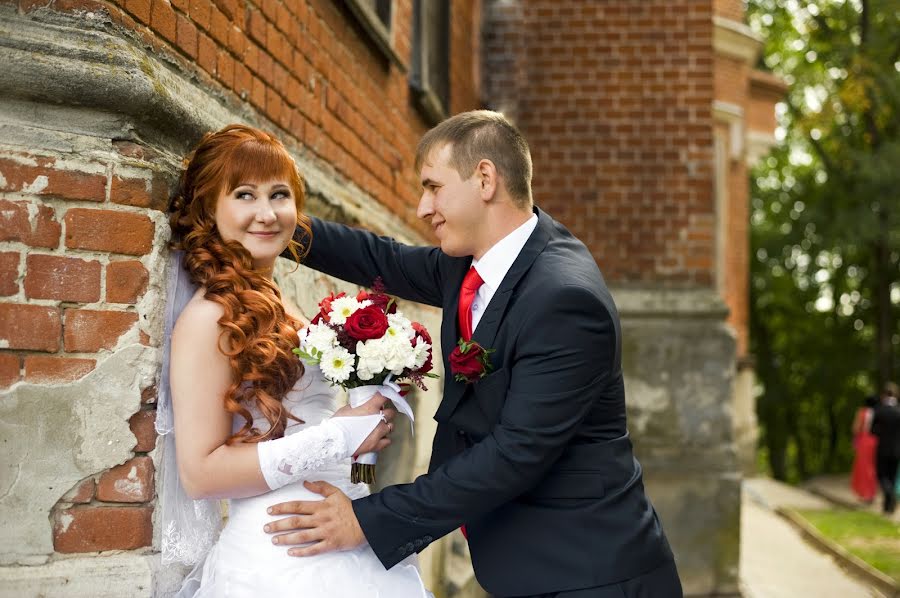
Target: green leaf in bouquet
[{"x": 312, "y": 357}]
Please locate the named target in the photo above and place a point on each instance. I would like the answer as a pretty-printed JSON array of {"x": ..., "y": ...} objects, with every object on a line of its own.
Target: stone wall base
[
  {"x": 679, "y": 360},
  {"x": 105, "y": 576}
]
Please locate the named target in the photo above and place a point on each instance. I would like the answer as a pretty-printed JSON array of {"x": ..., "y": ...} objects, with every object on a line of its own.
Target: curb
[
  {"x": 847, "y": 561},
  {"x": 837, "y": 500}
]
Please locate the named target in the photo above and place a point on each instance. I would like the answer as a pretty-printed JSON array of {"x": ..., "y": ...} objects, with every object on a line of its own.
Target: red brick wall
[
  {"x": 732, "y": 85},
  {"x": 735, "y": 250},
  {"x": 729, "y": 9},
  {"x": 307, "y": 67},
  {"x": 73, "y": 232},
  {"x": 765, "y": 91},
  {"x": 70, "y": 294},
  {"x": 617, "y": 108}
]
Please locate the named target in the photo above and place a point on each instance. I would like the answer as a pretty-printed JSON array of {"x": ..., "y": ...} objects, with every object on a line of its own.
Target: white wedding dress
[{"x": 244, "y": 563}]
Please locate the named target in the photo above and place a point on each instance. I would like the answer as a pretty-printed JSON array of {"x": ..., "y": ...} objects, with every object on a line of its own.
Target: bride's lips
[{"x": 264, "y": 235}]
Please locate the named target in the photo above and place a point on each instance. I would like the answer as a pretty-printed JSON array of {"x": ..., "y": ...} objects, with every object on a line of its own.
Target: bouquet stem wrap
[{"x": 363, "y": 468}]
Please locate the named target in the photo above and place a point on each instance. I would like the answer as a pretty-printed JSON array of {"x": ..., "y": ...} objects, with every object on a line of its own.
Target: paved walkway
[{"x": 775, "y": 560}]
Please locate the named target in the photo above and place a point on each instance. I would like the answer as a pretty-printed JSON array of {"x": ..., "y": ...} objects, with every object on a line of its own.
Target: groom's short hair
[{"x": 483, "y": 134}]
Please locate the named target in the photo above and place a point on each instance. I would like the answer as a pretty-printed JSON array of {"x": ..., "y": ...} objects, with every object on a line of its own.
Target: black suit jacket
[
  {"x": 886, "y": 426},
  {"x": 535, "y": 458}
]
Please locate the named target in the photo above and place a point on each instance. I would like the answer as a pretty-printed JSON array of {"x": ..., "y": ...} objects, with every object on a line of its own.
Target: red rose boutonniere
[{"x": 469, "y": 361}]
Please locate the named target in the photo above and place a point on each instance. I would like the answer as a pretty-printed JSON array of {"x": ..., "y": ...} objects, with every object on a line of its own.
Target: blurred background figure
[
  {"x": 863, "y": 479},
  {"x": 886, "y": 426}
]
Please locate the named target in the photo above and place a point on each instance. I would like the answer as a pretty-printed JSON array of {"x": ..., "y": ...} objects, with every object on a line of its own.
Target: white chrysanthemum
[
  {"x": 343, "y": 308},
  {"x": 337, "y": 364},
  {"x": 421, "y": 353},
  {"x": 320, "y": 337}
]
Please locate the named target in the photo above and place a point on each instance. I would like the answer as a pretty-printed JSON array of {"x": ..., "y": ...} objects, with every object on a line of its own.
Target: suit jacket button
[
  {"x": 419, "y": 543},
  {"x": 461, "y": 432},
  {"x": 428, "y": 538},
  {"x": 409, "y": 547}
]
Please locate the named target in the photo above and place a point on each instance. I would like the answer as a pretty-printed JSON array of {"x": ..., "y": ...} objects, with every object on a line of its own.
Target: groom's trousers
[{"x": 662, "y": 582}]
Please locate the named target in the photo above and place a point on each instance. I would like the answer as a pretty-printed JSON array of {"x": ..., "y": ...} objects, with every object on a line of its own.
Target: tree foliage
[{"x": 825, "y": 235}]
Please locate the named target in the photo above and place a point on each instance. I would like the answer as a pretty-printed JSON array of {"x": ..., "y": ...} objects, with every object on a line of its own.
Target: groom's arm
[
  {"x": 358, "y": 256},
  {"x": 567, "y": 353}
]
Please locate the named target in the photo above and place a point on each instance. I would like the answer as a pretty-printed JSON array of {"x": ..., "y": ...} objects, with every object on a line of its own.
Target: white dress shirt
[{"x": 494, "y": 265}]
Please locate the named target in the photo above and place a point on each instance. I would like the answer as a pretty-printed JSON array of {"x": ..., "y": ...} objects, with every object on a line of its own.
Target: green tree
[{"x": 825, "y": 288}]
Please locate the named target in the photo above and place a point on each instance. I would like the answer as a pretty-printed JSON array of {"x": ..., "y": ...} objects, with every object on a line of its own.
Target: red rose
[
  {"x": 325, "y": 305},
  {"x": 366, "y": 323},
  {"x": 469, "y": 361}
]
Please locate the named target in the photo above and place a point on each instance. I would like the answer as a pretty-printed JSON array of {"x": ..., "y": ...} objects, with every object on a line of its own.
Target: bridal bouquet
[{"x": 364, "y": 345}]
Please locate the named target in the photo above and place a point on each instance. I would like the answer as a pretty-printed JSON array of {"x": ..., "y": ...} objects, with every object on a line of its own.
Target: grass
[{"x": 871, "y": 537}]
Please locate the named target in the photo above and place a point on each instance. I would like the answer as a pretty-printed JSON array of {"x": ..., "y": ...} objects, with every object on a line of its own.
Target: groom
[{"x": 532, "y": 456}]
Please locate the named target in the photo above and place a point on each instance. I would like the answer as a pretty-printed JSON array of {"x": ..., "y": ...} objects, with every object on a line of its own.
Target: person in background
[
  {"x": 863, "y": 480},
  {"x": 886, "y": 426}
]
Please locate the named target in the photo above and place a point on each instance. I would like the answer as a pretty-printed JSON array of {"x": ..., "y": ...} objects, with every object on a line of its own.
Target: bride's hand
[{"x": 378, "y": 439}]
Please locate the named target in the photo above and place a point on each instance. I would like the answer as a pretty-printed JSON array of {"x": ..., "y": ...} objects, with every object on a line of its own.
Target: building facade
[{"x": 642, "y": 117}]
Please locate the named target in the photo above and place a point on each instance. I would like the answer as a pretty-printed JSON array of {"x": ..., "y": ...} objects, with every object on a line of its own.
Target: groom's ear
[{"x": 488, "y": 179}]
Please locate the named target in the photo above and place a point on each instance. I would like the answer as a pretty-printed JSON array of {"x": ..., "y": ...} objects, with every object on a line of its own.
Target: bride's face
[{"x": 261, "y": 216}]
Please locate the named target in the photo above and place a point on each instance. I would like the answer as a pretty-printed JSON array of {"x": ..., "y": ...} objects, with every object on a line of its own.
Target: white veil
[{"x": 189, "y": 527}]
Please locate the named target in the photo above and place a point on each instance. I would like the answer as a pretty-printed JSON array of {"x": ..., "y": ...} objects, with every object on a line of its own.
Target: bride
[{"x": 251, "y": 423}]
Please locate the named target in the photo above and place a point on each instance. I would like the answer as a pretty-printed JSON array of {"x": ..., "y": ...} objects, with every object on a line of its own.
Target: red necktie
[{"x": 470, "y": 285}]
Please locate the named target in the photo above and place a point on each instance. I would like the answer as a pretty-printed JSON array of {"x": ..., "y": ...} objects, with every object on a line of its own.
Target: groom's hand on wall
[{"x": 325, "y": 525}]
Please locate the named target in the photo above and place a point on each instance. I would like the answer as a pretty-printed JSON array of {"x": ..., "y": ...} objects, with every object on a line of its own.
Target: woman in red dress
[{"x": 862, "y": 479}]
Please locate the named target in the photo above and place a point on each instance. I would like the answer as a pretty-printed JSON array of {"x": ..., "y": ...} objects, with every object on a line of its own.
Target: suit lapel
[{"x": 488, "y": 326}]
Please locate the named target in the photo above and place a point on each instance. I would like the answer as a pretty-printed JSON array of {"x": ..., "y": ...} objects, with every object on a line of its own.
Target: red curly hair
[{"x": 258, "y": 333}]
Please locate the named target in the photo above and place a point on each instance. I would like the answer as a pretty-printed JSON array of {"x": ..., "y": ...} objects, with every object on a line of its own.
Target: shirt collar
[{"x": 497, "y": 261}]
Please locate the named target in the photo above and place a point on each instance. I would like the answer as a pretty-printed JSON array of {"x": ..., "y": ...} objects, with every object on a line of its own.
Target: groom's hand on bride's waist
[{"x": 328, "y": 524}]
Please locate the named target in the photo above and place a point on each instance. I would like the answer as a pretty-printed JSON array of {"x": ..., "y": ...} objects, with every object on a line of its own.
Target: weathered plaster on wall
[{"x": 55, "y": 435}]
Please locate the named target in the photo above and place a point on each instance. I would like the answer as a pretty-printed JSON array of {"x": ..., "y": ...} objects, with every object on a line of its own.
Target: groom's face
[{"x": 452, "y": 205}]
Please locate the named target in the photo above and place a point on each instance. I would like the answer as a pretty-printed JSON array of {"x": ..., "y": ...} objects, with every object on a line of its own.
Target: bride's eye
[{"x": 244, "y": 195}]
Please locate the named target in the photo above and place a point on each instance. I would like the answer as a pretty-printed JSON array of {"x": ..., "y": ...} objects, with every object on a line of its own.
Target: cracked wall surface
[{"x": 55, "y": 435}]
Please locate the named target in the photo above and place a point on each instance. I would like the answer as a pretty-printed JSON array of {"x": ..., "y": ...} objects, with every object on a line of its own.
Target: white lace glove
[{"x": 294, "y": 457}]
